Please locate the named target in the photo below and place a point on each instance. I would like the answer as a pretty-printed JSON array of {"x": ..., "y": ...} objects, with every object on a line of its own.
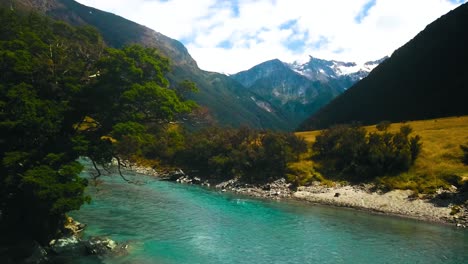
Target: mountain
[
  {"x": 228, "y": 102},
  {"x": 300, "y": 89},
  {"x": 426, "y": 78},
  {"x": 342, "y": 73}
]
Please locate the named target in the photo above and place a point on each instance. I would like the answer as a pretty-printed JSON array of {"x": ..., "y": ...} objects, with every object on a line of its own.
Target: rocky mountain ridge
[
  {"x": 300, "y": 89},
  {"x": 323, "y": 70}
]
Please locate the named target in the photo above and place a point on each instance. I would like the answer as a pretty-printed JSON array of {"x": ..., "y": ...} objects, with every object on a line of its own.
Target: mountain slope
[
  {"x": 228, "y": 102},
  {"x": 301, "y": 89},
  {"x": 426, "y": 78}
]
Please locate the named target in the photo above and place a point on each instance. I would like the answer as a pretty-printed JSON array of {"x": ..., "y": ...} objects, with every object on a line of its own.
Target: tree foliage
[
  {"x": 253, "y": 156},
  {"x": 351, "y": 153},
  {"x": 63, "y": 94}
]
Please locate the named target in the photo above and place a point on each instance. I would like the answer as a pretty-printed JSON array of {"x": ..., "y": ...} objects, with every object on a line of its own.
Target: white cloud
[{"x": 230, "y": 36}]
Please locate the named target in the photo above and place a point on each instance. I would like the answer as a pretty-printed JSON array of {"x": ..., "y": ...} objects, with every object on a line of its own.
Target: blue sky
[{"x": 233, "y": 35}]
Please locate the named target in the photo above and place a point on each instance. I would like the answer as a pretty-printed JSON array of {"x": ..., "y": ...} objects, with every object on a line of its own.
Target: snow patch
[
  {"x": 262, "y": 105},
  {"x": 338, "y": 68}
]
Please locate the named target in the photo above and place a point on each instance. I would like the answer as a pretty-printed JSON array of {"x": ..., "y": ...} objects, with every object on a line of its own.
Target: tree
[
  {"x": 64, "y": 95},
  {"x": 253, "y": 156},
  {"x": 44, "y": 65},
  {"x": 129, "y": 92}
]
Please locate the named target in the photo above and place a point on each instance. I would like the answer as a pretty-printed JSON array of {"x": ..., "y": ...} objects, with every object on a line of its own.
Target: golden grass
[{"x": 440, "y": 159}]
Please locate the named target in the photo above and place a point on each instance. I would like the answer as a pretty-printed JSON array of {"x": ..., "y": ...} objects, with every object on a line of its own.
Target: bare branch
[
  {"x": 119, "y": 163},
  {"x": 97, "y": 169}
]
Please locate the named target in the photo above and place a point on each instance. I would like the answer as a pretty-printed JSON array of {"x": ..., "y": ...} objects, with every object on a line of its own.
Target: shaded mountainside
[
  {"x": 426, "y": 78},
  {"x": 228, "y": 102},
  {"x": 300, "y": 89}
]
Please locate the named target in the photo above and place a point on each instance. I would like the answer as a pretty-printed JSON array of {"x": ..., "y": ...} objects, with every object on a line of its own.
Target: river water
[{"x": 165, "y": 222}]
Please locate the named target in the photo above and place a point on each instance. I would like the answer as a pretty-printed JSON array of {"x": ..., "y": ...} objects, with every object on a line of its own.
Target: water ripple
[{"x": 173, "y": 223}]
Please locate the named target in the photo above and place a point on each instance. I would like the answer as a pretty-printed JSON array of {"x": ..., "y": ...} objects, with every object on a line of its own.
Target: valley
[{"x": 115, "y": 124}]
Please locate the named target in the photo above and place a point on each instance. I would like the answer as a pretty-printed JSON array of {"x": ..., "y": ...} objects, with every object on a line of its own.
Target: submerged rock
[
  {"x": 104, "y": 246},
  {"x": 174, "y": 175},
  {"x": 71, "y": 245}
]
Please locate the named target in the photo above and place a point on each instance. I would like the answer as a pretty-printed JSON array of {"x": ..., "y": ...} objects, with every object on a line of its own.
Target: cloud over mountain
[{"x": 230, "y": 36}]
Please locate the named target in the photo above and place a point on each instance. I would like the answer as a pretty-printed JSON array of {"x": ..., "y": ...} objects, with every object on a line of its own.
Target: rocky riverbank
[
  {"x": 439, "y": 208},
  {"x": 442, "y": 208}
]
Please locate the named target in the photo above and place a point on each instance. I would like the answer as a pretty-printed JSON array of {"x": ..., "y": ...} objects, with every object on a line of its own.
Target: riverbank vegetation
[
  {"x": 253, "y": 156},
  {"x": 439, "y": 164}
]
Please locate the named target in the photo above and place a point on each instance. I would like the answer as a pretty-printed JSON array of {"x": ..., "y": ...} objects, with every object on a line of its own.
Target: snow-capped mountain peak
[{"x": 321, "y": 70}]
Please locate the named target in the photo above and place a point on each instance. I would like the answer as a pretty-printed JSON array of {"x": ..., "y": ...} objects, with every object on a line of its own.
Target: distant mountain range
[
  {"x": 300, "y": 89},
  {"x": 426, "y": 78},
  {"x": 328, "y": 71}
]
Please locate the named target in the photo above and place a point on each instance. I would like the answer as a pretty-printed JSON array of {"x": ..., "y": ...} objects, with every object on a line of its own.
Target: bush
[
  {"x": 253, "y": 156},
  {"x": 383, "y": 125},
  {"x": 349, "y": 152},
  {"x": 465, "y": 154},
  {"x": 302, "y": 173}
]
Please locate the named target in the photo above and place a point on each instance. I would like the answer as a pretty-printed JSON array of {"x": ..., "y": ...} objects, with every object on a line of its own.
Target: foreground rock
[
  {"x": 62, "y": 250},
  {"x": 74, "y": 246}
]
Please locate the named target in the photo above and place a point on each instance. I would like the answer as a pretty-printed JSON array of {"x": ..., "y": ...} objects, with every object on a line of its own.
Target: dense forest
[{"x": 424, "y": 79}]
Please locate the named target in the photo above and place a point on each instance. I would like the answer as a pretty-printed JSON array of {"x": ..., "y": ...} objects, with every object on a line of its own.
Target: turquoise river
[{"x": 165, "y": 222}]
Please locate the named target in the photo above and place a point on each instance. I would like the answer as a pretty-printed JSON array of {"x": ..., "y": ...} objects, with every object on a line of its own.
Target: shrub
[
  {"x": 340, "y": 149},
  {"x": 465, "y": 154},
  {"x": 383, "y": 125},
  {"x": 302, "y": 173},
  {"x": 349, "y": 152},
  {"x": 253, "y": 156}
]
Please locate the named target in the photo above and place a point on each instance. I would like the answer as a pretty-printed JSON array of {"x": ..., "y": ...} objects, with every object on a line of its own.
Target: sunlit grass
[{"x": 438, "y": 165}]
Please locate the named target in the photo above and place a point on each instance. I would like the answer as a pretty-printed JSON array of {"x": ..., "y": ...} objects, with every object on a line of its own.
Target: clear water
[{"x": 172, "y": 223}]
